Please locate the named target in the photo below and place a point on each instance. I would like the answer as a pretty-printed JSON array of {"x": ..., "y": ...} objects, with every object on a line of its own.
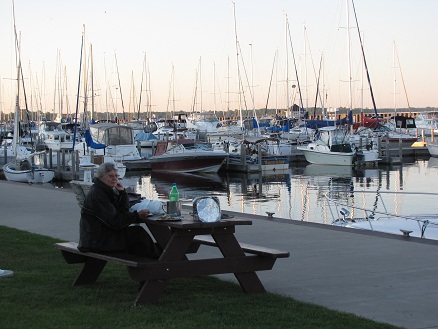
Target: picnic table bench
[{"x": 178, "y": 240}]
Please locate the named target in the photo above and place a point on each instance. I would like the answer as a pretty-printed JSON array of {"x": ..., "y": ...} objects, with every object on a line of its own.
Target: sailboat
[
  {"x": 24, "y": 171},
  {"x": 21, "y": 169},
  {"x": 333, "y": 144}
]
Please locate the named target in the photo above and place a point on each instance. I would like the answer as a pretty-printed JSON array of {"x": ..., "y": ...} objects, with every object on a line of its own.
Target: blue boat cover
[
  {"x": 313, "y": 124},
  {"x": 145, "y": 137},
  {"x": 91, "y": 143}
]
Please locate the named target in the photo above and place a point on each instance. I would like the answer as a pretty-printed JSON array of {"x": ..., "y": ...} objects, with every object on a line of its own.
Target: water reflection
[
  {"x": 300, "y": 192},
  {"x": 257, "y": 185},
  {"x": 433, "y": 162},
  {"x": 257, "y": 193},
  {"x": 190, "y": 185}
]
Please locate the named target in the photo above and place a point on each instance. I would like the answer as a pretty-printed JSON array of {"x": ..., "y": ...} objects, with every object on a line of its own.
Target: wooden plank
[
  {"x": 120, "y": 258},
  {"x": 248, "y": 248},
  {"x": 198, "y": 267}
]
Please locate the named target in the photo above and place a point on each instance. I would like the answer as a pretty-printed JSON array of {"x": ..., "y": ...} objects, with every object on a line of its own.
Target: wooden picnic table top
[{"x": 187, "y": 222}]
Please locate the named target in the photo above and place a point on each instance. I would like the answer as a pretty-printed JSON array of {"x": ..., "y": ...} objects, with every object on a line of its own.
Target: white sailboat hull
[{"x": 34, "y": 175}]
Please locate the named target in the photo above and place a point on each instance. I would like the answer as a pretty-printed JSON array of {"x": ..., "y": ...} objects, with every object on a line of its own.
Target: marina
[
  {"x": 303, "y": 192},
  {"x": 324, "y": 159}
]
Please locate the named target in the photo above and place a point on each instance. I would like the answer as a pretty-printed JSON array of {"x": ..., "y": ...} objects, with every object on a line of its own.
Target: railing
[{"x": 342, "y": 216}]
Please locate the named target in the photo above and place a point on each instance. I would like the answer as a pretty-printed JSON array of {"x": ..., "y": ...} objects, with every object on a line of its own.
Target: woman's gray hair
[{"x": 105, "y": 168}]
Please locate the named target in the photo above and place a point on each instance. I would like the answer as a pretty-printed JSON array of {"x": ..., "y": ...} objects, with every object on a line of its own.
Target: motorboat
[
  {"x": 110, "y": 140},
  {"x": 146, "y": 139},
  {"x": 203, "y": 122},
  {"x": 427, "y": 121},
  {"x": 57, "y": 136},
  {"x": 179, "y": 156},
  {"x": 332, "y": 146},
  {"x": 252, "y": 154}
]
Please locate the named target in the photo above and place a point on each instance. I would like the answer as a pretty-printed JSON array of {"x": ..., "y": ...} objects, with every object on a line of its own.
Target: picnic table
[{"x": 178, "y": 240}]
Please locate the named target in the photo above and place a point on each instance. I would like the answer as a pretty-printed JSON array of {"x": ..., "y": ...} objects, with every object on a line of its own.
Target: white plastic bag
[{"x": 155, "y": 207}]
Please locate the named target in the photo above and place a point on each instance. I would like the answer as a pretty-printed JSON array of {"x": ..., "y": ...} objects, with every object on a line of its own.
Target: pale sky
[{"x": 197, "y": 38}]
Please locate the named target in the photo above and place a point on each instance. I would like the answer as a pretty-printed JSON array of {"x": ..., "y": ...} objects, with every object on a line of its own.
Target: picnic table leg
[
  {"x": 150, "y": 292},
  {"x": 174, "y": 250},
  {"x": 90, "y": 272},
  {"x": 229, "y": 247}
]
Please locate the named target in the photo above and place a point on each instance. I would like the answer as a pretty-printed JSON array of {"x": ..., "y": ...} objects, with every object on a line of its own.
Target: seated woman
[{"x": 105, "y": 224}]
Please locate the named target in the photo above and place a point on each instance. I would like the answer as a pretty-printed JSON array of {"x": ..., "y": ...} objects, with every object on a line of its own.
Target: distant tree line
[{"x": 295, "y": 111}]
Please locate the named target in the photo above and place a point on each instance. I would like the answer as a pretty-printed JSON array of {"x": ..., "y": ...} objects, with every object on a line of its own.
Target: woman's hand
[
  {"x": 119, "y": 186},
  {"x": 143, "y": 214}
]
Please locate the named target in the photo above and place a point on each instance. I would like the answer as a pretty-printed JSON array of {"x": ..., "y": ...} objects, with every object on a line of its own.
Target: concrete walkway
[{"x": 387, "y": 279}]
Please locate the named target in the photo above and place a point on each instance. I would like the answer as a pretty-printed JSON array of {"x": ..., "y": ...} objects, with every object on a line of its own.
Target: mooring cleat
[{"x": 406, "y": 233}]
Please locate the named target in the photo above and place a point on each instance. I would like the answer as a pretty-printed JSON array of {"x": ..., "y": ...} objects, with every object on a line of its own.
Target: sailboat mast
[
  {"x": 349, "y": 58},
  {"x": 85, "y": 79},
  {"x": 214, "y": 87},
  {"x": 173, "y": 88},
  {"x": 66, "y": 93},
  {"x": 195, "y": 93},
  {"x": 306, "y": 82},
  {"x": 287, "y": 71},
  {"x": 365, "y": 62},
  {"x": 200, "y": 82},
  {"x": 361, "y": 96},
  {"x": 120, "y": 87},
  {"x": 56, "y": 91},
  {"x": 395, "y": 80},
  {"x": 317, "y": 88},
  {"x": 131, "y": 97},
  {"x": 403, "y": 80},
  {"x": 238, "y": 66},
  {"x": 295, "y": 66},
  {"x": 270, "y": 85},
  {"x": 106, "y": 89},
  {"x": 149, "y": 94},
  {"x": 92, "y": 82},
  {"x": 323, "y": 86},
  {"x": 16, "y": 136},
  {"x": 228, "y": 85},
  {"x": 77, "y": 96},
  {"x": 141, "y": 87}
]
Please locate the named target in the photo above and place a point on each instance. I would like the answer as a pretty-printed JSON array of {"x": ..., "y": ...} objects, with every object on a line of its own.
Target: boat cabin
[{"x": 111, "y": 134}]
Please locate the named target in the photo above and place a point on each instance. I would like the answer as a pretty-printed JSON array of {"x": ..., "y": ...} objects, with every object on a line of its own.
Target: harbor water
[{"x": 302, "y": 192}]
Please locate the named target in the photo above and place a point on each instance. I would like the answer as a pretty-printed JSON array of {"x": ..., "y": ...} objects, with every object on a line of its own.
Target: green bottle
[{"x": 174, "y": 194}]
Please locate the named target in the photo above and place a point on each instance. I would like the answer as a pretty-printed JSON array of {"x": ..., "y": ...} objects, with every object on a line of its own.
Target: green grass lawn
[{"x": 40, "y": 295}]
